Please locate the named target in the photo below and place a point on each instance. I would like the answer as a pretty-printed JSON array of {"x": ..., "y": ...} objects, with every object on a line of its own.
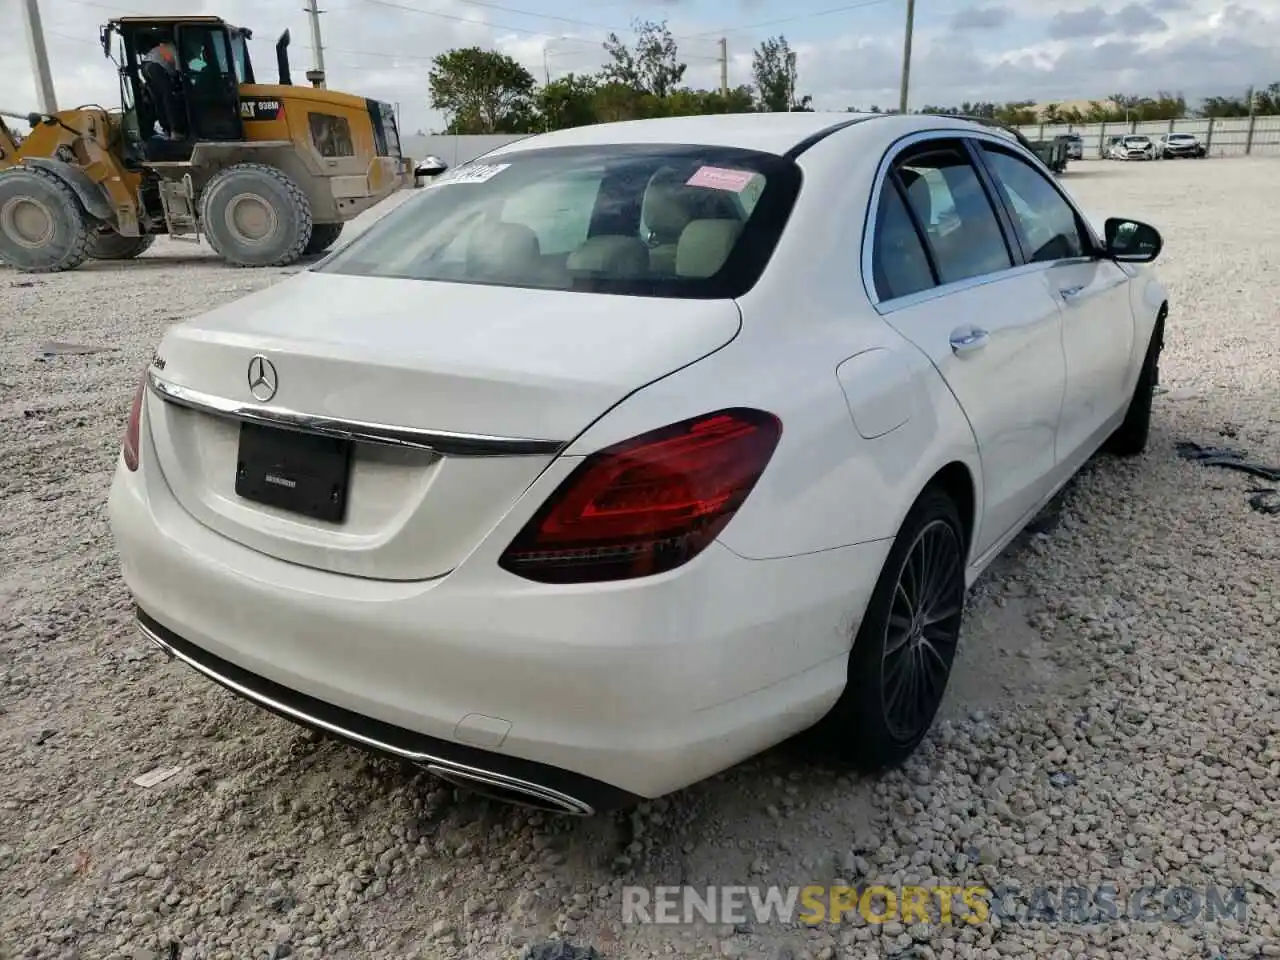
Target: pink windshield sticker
[{"x": 719, "y": 178}]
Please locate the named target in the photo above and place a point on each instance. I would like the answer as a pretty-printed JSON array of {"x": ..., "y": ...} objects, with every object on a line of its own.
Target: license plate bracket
[{"x": 303, "y": 473}]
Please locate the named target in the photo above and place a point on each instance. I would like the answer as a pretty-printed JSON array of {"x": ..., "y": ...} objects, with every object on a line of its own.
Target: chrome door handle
[
  {"x": 968, "y": 340},
  {"x": 1070, "y": 293}
]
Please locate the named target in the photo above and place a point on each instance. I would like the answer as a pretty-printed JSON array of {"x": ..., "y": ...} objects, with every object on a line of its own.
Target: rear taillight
[
  {"x": 133, "y": 431},
  {"x": 649, "y": 504}
]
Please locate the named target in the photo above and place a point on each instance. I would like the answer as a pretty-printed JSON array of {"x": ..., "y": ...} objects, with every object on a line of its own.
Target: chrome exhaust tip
[{"x": 515, "y": 793}]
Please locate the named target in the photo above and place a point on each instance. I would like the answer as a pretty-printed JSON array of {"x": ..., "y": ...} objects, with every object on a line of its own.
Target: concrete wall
[
  {"x": 454, "y": 150},
  {"x": 1229, "y": 137}
]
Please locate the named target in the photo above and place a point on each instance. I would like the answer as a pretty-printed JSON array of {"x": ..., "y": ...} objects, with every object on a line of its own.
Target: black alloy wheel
[
  {"x": 905, "y": 645},
  {"x": 922, "y": 632}
]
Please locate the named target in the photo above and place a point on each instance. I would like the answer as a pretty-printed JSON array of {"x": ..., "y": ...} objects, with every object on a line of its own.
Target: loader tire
[
  {"x": 106, "y": 244},
  {"x": 256, "y": 216},
  {"x": 323, "y": 236},
  {"x": 43, "y": 227}
]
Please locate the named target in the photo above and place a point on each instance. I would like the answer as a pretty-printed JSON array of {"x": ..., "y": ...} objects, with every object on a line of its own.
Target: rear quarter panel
[{"x": 826, "y": 486}]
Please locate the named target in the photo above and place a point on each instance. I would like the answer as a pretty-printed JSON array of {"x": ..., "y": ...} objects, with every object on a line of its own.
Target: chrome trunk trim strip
[{"x": 442, "y": 442}]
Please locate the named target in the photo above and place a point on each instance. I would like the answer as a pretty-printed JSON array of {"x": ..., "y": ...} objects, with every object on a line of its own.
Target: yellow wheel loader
[{"x": 265, "y": 172}]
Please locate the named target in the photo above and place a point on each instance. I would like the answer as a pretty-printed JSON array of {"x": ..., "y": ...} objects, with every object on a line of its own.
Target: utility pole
[
  {"x": 906, "y": 57},
  {"x": 316, "y": 76},
  {"x": 39, "y": 56},
  {"x": 724, "y": 66}
]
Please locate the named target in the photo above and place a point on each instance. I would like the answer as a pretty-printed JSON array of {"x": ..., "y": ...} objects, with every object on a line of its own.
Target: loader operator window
[
  {"x": 240, "y": 58},
  {"x": 210, "y": 89}
]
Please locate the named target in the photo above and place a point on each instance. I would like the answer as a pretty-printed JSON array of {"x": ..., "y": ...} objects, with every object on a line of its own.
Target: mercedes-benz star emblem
[{"x": 262, "y": 379}]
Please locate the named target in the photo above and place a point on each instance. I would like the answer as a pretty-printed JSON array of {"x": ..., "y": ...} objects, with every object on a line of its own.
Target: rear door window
[{"x": 948, "y": 200}]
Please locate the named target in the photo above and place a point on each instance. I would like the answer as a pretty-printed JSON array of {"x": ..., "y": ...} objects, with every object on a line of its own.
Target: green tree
[
  {"x": 1267, "y": 101},
  {"x": 567, "y": 102},
  {"x": 482, "y": 91},
  {"x": 614, "y": 101},
  {"x": 773, "y": 66},
  {"x": 1017, "y": 113},
  {"x": 652, "y": 67},
  {"x": 1225, "y": 107},
  {"x": 738, "y": 100},
  {"x": 688, "y": 103}
]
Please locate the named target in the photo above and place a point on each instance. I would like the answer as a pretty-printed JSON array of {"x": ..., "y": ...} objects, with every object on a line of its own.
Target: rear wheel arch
[{"x": 957, "y": 482}]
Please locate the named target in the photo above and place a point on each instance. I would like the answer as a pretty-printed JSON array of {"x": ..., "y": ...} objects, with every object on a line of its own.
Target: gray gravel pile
[{"x": 1115, "y": 717}]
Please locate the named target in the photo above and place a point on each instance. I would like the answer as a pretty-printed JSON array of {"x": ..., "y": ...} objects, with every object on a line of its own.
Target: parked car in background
[
  {"x": 544, "y": 484},
  {"x": 1135, "y": 146},
  {"x": 1173, "y": 146},
  {"x": 1075, "y": 146}
]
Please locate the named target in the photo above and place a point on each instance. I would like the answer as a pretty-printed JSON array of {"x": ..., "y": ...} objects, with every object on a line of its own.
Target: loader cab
[{"x": 191, "y": 95}]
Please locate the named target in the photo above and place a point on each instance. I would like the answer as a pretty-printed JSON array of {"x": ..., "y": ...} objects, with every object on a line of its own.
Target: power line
[
  {"x": 524, "y": 13},
  {"x": 539, "y": 16},
  {"x": 67, "y": 36},
  {"x": 526, "y": 31},
  {"x": 478, "y": 23},
  {"x": 114, "y": 8},
  {"x": 800, "y": 16}
]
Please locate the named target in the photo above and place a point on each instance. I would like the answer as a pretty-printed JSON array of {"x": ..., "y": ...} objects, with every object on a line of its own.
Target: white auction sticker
[{"x": 475, "y": 173}]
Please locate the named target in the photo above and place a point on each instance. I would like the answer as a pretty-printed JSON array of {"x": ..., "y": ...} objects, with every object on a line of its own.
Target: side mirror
[
  {"x": 430, "y": 167},
  {"x": 1132, "y": 241}
]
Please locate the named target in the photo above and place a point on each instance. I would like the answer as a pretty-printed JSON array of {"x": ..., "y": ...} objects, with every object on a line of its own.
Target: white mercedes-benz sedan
[{"x": 625, "y": 452}]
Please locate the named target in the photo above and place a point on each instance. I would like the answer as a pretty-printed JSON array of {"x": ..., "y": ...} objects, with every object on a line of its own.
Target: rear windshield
[{"x": 661, "y": 221}]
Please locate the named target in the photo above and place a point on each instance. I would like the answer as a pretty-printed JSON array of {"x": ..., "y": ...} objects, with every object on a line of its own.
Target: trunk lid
[{"x": 462, "y": 359}]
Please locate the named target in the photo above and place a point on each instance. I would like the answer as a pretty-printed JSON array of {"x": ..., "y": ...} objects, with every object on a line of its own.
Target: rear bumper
[
  {"x": 598, "y": 693},
  {"x": 510, "y": 778}
]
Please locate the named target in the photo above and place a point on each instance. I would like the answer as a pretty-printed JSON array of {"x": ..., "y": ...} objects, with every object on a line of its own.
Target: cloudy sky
[{"x": 850, "y": 51}]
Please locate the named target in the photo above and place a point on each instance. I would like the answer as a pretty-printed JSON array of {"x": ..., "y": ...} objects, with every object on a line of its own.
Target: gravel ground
[{"x": 1114, "y": 717}]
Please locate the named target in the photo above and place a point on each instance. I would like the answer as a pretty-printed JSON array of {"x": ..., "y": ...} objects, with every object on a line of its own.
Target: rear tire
[
  {"x": 106, "y": 244},
  {"x": 323, "y": 236},
  {"x": 902, "y": 655},
  {"x": 43, "y": 228},
  {"x": 1130, "y": 438},
  {"x": 256, "y": 216}
]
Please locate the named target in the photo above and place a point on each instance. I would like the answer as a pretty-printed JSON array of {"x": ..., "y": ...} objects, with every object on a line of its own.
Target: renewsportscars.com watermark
[{"x": 961, "y": 905}]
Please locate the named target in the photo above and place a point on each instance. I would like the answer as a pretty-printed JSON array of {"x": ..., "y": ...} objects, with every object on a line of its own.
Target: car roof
[{"x": 777, "y": 133}]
